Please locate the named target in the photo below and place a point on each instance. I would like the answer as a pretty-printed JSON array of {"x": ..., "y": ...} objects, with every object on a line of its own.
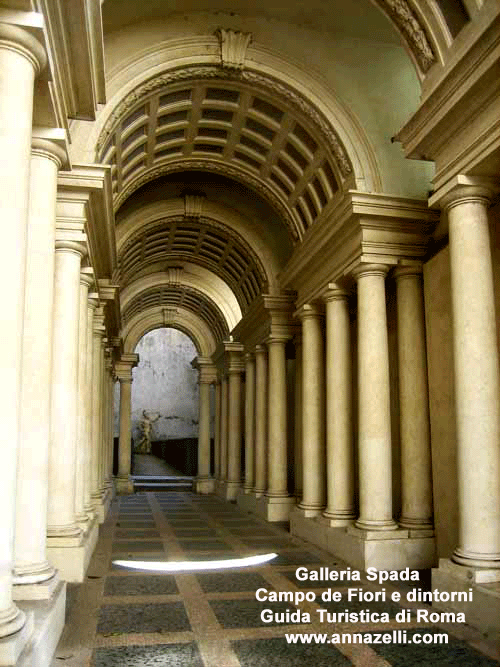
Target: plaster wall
[
  {"x": 166, "y": 383},
  {"x": 437, "y": 286}
]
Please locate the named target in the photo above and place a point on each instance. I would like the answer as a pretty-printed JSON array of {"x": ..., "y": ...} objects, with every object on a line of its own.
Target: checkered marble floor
[{"x": 124, "y": 618}]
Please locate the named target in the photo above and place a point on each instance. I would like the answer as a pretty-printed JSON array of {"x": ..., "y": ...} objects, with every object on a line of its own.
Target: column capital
[
  {"x": 405, "y": 271},
  {"x": 124, "y": 366},
  {"x": 462, "y": 189},
  {"x": 87, "y": 276},
  {"x": 334, "y": 293},
  {"x": 49, "y": 150},
  {"x": 78, "y": 247},
  {"x": 363, "y": 270},
  {"x": 309, "y": 311},
  {"x": 274, "y": 339},
  {"x": 260, "y": 349},
  {"x": 249, "y": 357},
  {"x": 24, "y": 43}
]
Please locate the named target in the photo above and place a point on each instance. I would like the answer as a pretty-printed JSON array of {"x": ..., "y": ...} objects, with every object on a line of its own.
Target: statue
[{"x": 144, "y": 446}]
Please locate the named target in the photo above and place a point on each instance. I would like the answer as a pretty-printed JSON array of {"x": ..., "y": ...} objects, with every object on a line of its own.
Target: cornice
[{"x": 363, "y": 227}]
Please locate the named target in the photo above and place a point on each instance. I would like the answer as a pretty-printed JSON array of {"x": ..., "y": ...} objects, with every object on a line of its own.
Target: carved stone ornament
[
  {"x": 265, "y": 83},
  {"x": 233, "y": 47},
  {"x": 414, "y": 33},
  {"x": 193, "y": 205}
]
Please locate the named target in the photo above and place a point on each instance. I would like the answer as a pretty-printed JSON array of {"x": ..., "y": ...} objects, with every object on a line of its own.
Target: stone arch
[{"x": 181, "y": 319}]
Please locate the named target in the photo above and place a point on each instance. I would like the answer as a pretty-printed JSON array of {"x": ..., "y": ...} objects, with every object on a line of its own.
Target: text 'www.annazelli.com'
[{"x": 394, "y": 637}]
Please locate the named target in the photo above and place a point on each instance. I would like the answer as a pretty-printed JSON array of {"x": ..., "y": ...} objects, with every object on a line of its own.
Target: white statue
[{"x": 144, "y": 446}]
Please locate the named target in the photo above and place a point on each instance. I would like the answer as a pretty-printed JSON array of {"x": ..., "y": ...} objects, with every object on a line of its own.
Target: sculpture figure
[{"x": 144, "y": 446}]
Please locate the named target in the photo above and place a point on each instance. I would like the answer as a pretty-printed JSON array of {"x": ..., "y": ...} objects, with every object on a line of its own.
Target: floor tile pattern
[{"x": 130, "y": 618}]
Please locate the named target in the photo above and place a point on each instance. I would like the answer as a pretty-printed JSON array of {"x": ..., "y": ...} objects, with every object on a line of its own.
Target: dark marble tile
[
  {"x": 247, "y": 613},
  {"x": 250, "y": 531},
  {"x": 161, "y": 655},
  {"x": 141, "y": 585},
  {"x": 356, "y": 605},
  {"x": 268, "y": 543},
  {"x": 137, "y": 532},
  {"x": 231, "y": 582},
  {"x": 181, "y": 533},
  {"x": 276, "y": 652},
  {"x": 455, "y": 653},
  {"x": 218, "y": 555},
  {"x": 138, "y": 545},
  {"x": 165, "y": 617},
  {"x": 189, "y": 523},
  {"x": 203, "y": 545}
]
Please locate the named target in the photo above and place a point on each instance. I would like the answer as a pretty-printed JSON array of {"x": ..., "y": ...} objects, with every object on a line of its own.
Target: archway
[{"x": 165, "y": 405}]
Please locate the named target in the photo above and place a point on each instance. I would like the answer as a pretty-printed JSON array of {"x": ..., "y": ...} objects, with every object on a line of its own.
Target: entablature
[
  {"x": 364, "y": 227},
  {"x": 270, "y": 316}
]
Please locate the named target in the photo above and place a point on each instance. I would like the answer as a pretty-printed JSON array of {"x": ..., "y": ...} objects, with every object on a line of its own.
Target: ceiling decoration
[
  {"x": 196, "y": 240},
  {"x": 236, "y": 120},
  {"x": 172, "y": 297}
]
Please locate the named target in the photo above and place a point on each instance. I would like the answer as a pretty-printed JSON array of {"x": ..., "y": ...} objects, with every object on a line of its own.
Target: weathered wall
[{"x": 166, "y": 383}]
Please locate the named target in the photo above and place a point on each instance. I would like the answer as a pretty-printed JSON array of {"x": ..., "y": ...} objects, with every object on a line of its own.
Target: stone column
[
  {"x": 416, "y": 473},
  {"x": 374, "y": 441},
  {"x": 204, "y": 480},
  {"x": 92, "y": 303},
  {"x": 313, "y": 412},
  {"x": 223, "y": 430},
  {"x": 21, "y": 59},
  {"x": 123, "y": 371},
  {"x": 61, "y": 520},
  {"x": 476, "y": 378},
  {"x": 339, "y": 437},
  {"x": 103, "y": 445},
  {"x": 83, "y": 442},
  {"x": 217, "y": 443},
  {"x": 234, "y": 422},
  {"x": 260, "y": 420},
  {"x": 298, "y": 474},
  {"x": 98, "y": 335},
  {"x": 31, "y": 565},
  {"x": 249, "y": 423},
  {"x": 277, "y": 419},
  {"x": 108, "y": 446}
]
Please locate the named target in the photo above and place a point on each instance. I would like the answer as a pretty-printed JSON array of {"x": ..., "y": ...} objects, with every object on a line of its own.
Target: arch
[
  {"x": 229, "y": 221},
  {"x": 179, "y": 318},
  {"x": 192, "y": 276},
  {"x": 354, "y": 155}
]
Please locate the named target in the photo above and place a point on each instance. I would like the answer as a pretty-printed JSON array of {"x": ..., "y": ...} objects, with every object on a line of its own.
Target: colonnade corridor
[{"x": 128, "y": 618}]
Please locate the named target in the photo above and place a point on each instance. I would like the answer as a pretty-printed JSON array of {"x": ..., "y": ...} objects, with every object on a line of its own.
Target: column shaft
[
  {"x": 260, "y": 420},
  {"x": 249, "y": 422},
  {"x": 476, "y": 382},
  {"x": 204, "y": 432},
  {"x": 313, "y": 412},
  {"x": 277, "y": 420},
  {"x": 98, "y": 334},
  {"x": 33, "y": 457},
  {"x": 339, "y": 435},
  {"x": 416, "y": 474},
  {"x": 374, "y": 442},
  {"x": 223, "y": 430},
  {"x": 125, "y": 448},
  {"x": 217, "y": 434},
  {"x": 21, "y": 57},
  {"x": 297, "y": 472},
  {"x": 64, "y": 416},
  {"x": 234, "y": 429},
  {"x": 89, "y": 360}
]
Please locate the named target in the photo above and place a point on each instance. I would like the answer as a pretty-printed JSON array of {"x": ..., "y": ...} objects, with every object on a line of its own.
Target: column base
[
  {"x": 275, "y": 508},
  {"x": 42, "y": 590},
  {"x": 310, "y": 511},
  {"x": 12, "y": 646},
  {"x": 385, "y": 550},
  {"x": 204, "y": 485},
  {"x": 49, "y": 617},
  {"x": 483, "y": 611},
  {"x": 337, "y": 520},
  {"x": 124, "y": 485},
  {"x": 71, "y": 556},
  {"x": 102, "y": 501},
  {"x": 247, "y": 502},
  {"x": 231, "y": 490},
  {"x": 220, "y": 486}
]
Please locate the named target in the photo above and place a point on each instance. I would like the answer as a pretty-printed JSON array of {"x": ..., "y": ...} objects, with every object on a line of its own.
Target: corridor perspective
[
  {"x": 126, "y": 618},
  {"x": 259, "y": 241}
]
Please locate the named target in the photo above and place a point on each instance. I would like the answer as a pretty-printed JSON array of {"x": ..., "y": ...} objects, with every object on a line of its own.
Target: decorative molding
[
  {"x": 169, "y": 315},
  {"x": 413, "y": 31},
  {"x": 193, "y": 205},
  {"x": 268, "y": 84},
  {"x": 174, "y": 275},
  {"x": 233, "y": 47}
]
